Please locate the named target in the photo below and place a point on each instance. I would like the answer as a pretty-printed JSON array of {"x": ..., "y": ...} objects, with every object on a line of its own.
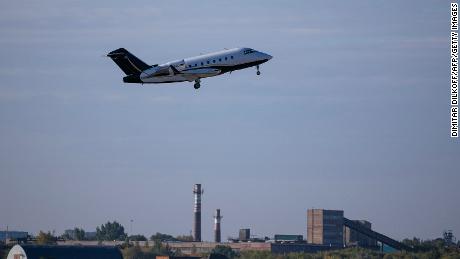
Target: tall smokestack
[
  {"x": 217, "y": 219},
  {"x": 197, "y": 213}
]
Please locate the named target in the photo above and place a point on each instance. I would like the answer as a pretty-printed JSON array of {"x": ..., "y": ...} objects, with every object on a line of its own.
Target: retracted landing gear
[
  {"x": 197, "y": 84},
  {"x": 258, "y": 72}
]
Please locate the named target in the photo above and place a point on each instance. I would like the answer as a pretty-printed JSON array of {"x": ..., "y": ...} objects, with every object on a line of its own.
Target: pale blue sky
[{"x": 351, "y": 113}]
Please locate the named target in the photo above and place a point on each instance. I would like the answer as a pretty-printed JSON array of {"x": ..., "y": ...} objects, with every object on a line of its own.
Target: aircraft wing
[
  {"x": 190, "y": 74},
  {"x": 201, "y": 72},
  {"x": 193, "y": 74}
]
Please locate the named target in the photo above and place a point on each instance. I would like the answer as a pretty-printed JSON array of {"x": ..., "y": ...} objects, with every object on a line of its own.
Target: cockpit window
[{"x": 248, "y": 51}]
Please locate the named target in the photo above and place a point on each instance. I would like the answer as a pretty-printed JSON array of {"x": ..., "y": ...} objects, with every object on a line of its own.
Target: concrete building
[
  {"x": 325, "y": 227},
  {"x": 354, "y": 238},
  {"x": 244, "y": 235}
]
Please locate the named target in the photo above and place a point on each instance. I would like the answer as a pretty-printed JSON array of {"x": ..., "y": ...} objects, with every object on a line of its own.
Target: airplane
[{"x": 188, "y": 69}]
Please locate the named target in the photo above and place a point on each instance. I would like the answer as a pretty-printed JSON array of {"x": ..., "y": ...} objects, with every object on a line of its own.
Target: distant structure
[
  {"x": 5, "y": 235},
  {"x": 217, "y": 233},
  {"x": 189, "y": 248},
  {"x": 325, "y": 227},
  {"x": 354, "y": 238},
  {"x": 244, "y": 235},
  {"x": 71, "y": 233},
  {"x": 281, "y": 238},
  {"x": 449, "y": 238},
  {"x": 64, "y": 252},
  {"x": 197, "y": 191}
]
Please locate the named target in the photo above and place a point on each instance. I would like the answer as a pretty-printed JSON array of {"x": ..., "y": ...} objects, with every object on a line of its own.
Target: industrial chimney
[
  {"x": 197, "y": 213},
  {"x": 217, "y": 219}
]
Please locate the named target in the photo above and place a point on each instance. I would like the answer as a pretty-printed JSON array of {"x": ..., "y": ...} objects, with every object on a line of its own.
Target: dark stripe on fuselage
[{"x": 225, "y": 69}]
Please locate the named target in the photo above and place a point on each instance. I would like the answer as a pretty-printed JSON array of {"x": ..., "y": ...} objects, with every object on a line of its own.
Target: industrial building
[
  {"x": 355, "y": 238},
  {"x": 325, "y": 227},
  {"x": 278, "y": 238},
  {"x": 244, "y": 235}
]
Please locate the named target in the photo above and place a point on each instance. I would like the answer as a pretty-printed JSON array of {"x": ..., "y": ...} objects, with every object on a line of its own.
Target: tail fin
[{"x": 129, "y": 63}]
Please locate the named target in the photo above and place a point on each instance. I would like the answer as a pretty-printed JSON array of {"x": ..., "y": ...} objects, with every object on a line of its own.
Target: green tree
[
  {"x": 79, "y": 234},
  {"x": 224, "y": 250},
  {"x": 111, "y": 231},
  {"x": 46, "y": 238}
]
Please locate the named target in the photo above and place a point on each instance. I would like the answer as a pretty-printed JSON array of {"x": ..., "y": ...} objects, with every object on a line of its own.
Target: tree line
[{"x": 110, "y": 231}]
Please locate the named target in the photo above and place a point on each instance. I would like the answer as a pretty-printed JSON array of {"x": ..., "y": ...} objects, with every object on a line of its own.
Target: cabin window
[
  {"x": 220, "y": 60},
  {"x": 196, "y": 65},
  {"x": 207, "y": 61},
  {"x": 189, "y": 65},
  {"x": 213, "y": 61},
  {"x": 225, "y": 58},
  {"x": 231, "y": 57},
  {"x": 201, "y": 63}
]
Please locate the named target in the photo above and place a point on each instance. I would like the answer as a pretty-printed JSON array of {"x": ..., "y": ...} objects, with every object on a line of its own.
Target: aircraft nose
[{"x": 266, "y": 56}]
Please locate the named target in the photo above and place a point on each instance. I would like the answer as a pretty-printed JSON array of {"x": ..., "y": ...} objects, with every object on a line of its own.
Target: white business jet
[{"x": 188, "y": 69}]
